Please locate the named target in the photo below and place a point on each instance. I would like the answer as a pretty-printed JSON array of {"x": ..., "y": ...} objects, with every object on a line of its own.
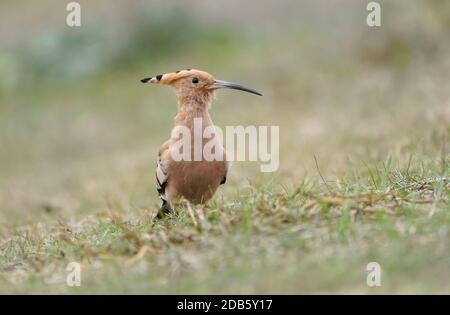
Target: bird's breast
[{"x": 196, "y": 181}]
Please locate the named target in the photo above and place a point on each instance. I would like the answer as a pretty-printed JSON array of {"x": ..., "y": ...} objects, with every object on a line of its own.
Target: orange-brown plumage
[{"x": 196, "y": 181}]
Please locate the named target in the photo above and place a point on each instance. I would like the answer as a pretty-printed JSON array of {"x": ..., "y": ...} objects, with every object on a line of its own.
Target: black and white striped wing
[{"x": 161, "y": 179}]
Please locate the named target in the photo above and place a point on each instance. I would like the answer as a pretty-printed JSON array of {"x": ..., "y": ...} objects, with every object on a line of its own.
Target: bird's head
[{"x": 191, "y": 83}]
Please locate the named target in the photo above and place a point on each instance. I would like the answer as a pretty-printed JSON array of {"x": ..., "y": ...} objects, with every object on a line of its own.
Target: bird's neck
[{"x": 191, "y": 107}]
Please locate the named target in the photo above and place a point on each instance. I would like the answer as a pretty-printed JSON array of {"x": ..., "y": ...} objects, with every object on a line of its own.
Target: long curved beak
[{"x": 219, "y": 84}]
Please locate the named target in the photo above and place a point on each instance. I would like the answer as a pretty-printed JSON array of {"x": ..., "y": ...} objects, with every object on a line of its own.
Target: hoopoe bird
[{"x": 194, "y": 180}]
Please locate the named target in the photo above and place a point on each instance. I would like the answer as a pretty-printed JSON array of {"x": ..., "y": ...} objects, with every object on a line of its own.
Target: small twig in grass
[
  {"x": 310, "y": 204},
  {"x": 140, "y": 254},
  {"x": 320, "y": 174},
  {"x": 437, "y": 198},
  {"x": 192, "y": 215}
]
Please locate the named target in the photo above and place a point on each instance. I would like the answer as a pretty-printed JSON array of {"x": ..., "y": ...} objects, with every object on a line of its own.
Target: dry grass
[{"x": 364, "y": 163}]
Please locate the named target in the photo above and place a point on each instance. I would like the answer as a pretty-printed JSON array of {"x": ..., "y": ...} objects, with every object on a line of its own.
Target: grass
[
  {"x": 364, "y": 163},
  {"x": 302, "y": 239}
]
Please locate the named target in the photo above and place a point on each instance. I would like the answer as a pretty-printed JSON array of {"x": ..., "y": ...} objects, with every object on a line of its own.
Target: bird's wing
[
  {"x": 161, "y": 179},
  {"x": 224, "y": 180},
  {"x": 162, "y": 174}
]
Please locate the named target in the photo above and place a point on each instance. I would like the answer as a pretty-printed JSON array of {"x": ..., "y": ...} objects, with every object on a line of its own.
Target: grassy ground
[
  {"x": 300, "y": 240},
  {"x": 364, "y": 163}
]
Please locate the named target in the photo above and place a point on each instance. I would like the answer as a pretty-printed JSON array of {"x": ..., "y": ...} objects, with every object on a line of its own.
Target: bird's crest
[{"x": 170, "y": 77}]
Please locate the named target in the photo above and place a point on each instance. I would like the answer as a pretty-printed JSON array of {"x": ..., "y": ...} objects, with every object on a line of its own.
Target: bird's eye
[{"x": 194, "y": 80}]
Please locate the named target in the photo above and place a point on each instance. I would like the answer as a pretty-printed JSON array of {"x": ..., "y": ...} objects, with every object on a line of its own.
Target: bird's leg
[{"x": 165, "y": 209}]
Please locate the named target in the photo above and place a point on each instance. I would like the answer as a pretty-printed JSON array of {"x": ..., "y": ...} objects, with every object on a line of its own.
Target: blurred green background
[
  {"x": 79, "y": 132},
  {"x": 75, "y": 121}
]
